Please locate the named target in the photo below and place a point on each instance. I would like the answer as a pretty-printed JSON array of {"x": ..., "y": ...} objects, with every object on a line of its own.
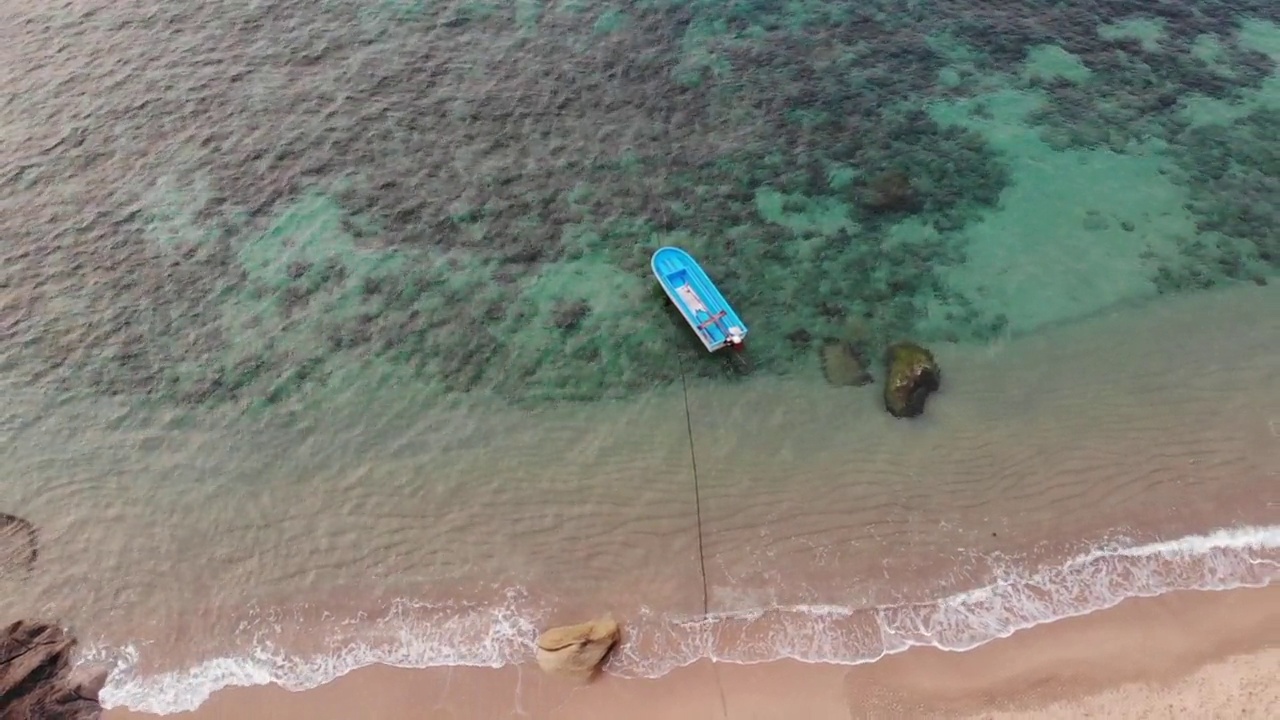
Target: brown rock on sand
[
  {"x": 36, "y": 679},
  {"x": 577, "y": 651}
]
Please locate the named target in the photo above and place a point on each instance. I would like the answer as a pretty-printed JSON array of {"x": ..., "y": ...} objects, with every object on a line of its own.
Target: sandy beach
[
  {"x": 1188, "y": 649},
  {"x": 1188, "y": 654}
]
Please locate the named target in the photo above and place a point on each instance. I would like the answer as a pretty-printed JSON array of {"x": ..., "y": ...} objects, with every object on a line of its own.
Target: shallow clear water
[{"x": 328, "y": 333}]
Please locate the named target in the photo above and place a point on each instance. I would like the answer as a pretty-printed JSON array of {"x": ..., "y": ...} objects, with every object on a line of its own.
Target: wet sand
[{"x": 1181, "y": 655}]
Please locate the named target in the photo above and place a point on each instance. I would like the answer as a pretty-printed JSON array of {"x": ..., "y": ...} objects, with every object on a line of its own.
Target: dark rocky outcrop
[
  {"x": 37, "y": 681},
  {"x": 911, "y": 374}
]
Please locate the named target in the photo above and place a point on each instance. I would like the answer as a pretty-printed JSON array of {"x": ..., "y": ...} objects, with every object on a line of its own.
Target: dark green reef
[{"x": 361, "y": 189}]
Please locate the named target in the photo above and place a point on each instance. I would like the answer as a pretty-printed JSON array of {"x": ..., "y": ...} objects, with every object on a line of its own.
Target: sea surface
[{"x": 328, "y": 335}]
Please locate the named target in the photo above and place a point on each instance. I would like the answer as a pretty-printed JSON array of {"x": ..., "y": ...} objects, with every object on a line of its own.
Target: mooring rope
[{"x": 697, "y": 496}]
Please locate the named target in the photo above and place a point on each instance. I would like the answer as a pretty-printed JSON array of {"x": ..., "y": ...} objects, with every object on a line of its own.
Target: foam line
[{"x": 501, "y": 634}]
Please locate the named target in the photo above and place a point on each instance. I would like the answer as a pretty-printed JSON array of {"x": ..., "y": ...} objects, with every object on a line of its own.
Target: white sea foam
[{"x": 496, "y": 635}]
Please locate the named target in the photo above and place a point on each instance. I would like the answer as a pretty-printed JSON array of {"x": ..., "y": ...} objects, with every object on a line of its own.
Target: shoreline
[
  {"x": 658, "y": 645},
  {"x": 1097, "y": 434},
  {"x": 1136, "y": 658}
]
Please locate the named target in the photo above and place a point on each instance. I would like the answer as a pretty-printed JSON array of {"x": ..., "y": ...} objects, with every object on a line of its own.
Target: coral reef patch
[{"x": 365, "y": 189}]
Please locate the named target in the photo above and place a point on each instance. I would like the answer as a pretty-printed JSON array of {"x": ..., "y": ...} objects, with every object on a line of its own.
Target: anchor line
[{"x": 697, "y": 496}]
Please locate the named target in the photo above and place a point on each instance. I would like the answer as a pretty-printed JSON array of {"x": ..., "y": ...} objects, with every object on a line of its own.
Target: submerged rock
[
  {"x": 576, "y": 651},
  {"x": 36, "y": 679},
  {"x": 19, "y": 543},
  {"x": 843, "y": 364},
  {"x": 911, "y": 374}
]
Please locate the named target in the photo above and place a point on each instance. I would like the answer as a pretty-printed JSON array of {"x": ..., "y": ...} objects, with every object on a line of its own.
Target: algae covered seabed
[{"x": 252, "y": 206}]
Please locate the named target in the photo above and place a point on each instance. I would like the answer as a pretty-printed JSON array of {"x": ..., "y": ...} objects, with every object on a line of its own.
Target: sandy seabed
[
  {"x": 1161, "y": 420},
  {"x": 1190, "y": 654}
]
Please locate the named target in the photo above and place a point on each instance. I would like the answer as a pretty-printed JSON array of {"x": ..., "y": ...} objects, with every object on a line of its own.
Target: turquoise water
[
  {"x": 465, "y": 195},
  {"x": 319, "y": 304}
]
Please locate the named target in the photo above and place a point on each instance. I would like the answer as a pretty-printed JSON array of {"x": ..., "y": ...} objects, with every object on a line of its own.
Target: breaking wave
[{"x": 502, "y": 633}]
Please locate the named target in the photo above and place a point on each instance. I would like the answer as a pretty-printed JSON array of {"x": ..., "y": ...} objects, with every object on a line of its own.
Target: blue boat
[{"x": 697, "y": 298}]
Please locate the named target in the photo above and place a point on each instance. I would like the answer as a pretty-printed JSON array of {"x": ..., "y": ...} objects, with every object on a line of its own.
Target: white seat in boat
[{"x": 691, "y": 298}]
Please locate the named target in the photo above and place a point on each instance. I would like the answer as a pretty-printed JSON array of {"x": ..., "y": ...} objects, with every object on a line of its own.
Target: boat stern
[{"x": 736, "y": 338}]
